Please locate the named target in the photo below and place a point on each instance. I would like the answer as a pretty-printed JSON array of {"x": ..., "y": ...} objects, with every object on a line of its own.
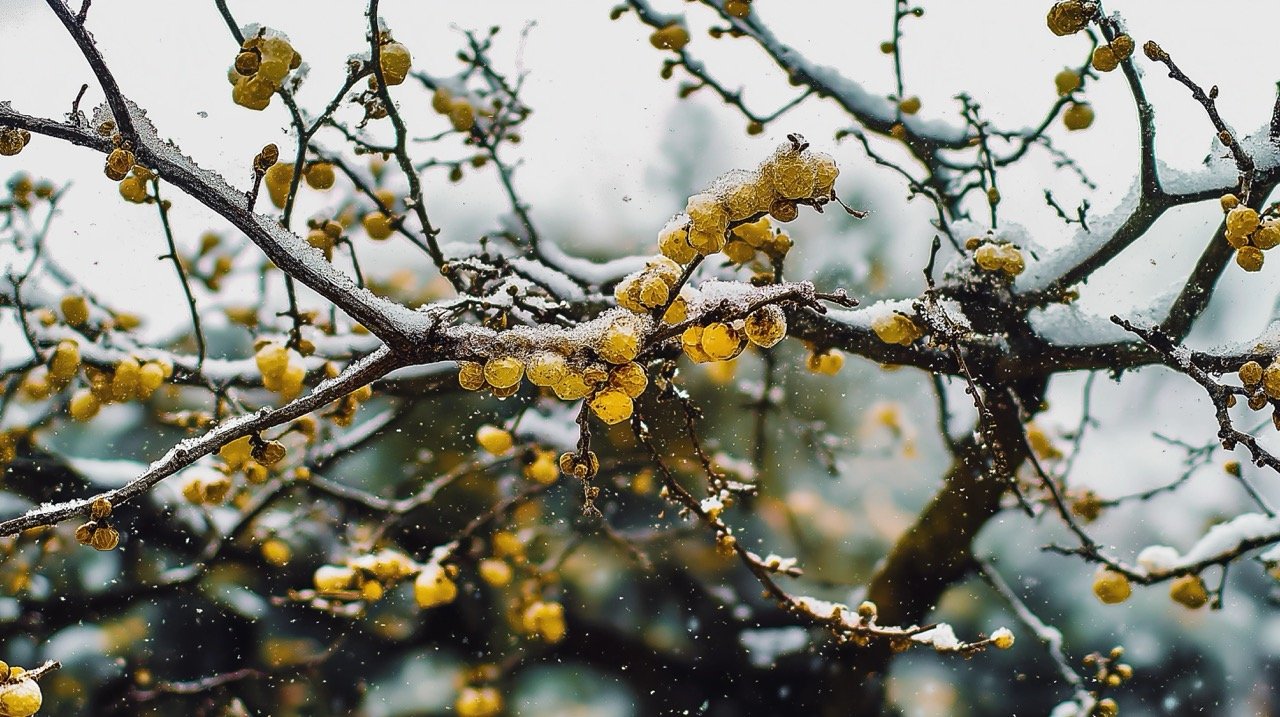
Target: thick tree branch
[
  {"x": 107, "y": 81},
  {"x": 391, "y": 322},
  {"x": 187, "y": 452}
]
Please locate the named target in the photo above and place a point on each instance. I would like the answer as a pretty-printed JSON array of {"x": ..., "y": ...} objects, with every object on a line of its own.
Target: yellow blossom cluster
[
  {"x": 996, "y": 256},
  {"x": 205, "y": 486},
  {"x": 20, "y": 695},
  {"x": 128, "y": 380},
  {"x": 1249, "y": 233},
  {"x": 649, "y": 288},
  {"x": 724, "y": 340},
  {"x": 133, "y": 188},
  {"x": 1261, "y": 384},
  {"x": 1109, "y": 56},
  {"x": 369, "y": 576},
  {"x": 282, "y": 369},
  {"x": 260, "y": 67},
  {"x": 791, "y": 176},
  {"x": 595, "y": 361},
  {"x": 750, "y": 239},
  {"x": 896, "y": 327},
  {"x": 23, "y": 192},
  {"x": 459, "y": 110},
  {"x": 478, "y": 701},
  {"x": 241, "y": 455}
]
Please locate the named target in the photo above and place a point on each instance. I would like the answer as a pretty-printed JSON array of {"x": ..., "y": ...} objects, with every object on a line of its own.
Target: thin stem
[{"x": 162, "y": 206}]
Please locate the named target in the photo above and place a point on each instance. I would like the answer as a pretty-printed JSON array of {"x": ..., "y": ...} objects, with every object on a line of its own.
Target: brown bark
[{"x": 931, "y": 556}]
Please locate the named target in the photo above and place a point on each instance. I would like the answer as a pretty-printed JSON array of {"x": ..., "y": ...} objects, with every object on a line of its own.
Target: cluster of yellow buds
[
  {"x": 278, "y": 178},
  {"x": 133, "y": 188},
  {"x": 595, "y": 360},
  {"x": 478, "y": 701},
  {"x": 542, "y": 465},
  {"x": 508, "y": 550},
  {"x": 42, "y": 381},
  {"x": 724, "y": 340},
  {"x": 98, "y": 536},
  {"x": 260, "y": 67},
  {"x": 670, "y": 37},
  {"x": 579, "y": 465},
  {"x": 1109, "y": 56},
  {"x": 129, "y": 380},
  {"x": 98, "y": 532},
  {"x": 324, "y": 235},
  {"x": 650, "y": 288},
  {"x": 791, "y": 176},
  {"x": 459, "y": 110},
  {"x": 716, "y": 341},
  {"x": 242, "y": 455},
  {"x": 282, "y": 369},
  {"x": 1070, "y": 16},
  {"x": 760, "y": 236},
  {"x": 896, "y": 327},
  {"x": 20, "y": 695},
  {"x": 1111, "y": 672},
  {"x": 544, "y": 620},
  {"x": 1000, "y": 256},
  {"x": 1249, "y": 233},
  {"x": 205, "y": 486},
  {"x": 1262, "y": 384},
  {"x": 827, "y": 362},
  {"x": 367, "y": 576},
  {"x": 345, "y": 408},
  {"x": 23, "y": 192}
]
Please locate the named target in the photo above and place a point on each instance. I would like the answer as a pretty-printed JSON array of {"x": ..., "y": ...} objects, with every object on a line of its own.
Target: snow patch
[
  {"x": 765, "y": 645},
  {"x": 942, "y": 637},
  {"x": 1219, "y": 543}
]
